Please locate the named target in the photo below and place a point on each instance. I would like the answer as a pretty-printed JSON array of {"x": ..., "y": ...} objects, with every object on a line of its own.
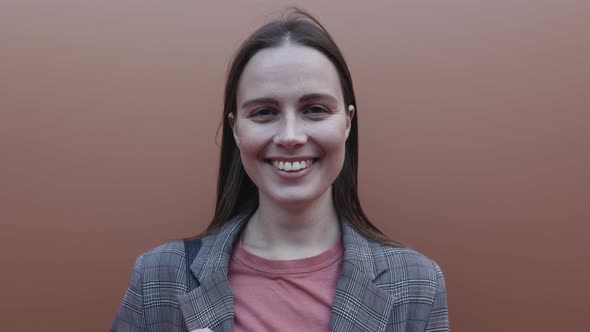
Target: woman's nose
[{"x": 291, "y": 132}]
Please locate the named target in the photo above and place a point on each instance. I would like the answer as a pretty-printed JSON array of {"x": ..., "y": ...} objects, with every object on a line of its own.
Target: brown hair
[{"x": 236, "y": 192}]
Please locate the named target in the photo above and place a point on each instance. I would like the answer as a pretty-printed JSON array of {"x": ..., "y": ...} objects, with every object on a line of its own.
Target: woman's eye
[
  {"x": 263, "y": 112},
  {"x": 316, "y": 110}
]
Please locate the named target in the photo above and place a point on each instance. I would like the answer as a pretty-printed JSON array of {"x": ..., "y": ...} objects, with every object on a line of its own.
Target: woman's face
[{"x": 291, "y": 124}]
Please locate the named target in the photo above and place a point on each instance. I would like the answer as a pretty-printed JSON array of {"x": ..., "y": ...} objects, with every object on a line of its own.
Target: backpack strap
[{"x": 191, "y": 248}]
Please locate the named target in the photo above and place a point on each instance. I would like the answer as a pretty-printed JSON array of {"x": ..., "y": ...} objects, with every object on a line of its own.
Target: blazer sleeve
[
  {"x": 439, "y": 313},
  {"x": 130, "y": 316}
]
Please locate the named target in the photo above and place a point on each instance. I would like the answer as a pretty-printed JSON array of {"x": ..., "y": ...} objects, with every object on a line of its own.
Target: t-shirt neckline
[{"x": 292, "y": 266}]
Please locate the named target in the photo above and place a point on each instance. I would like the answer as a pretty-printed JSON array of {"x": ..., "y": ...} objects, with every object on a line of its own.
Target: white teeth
[{"x": 292, "y": 166}]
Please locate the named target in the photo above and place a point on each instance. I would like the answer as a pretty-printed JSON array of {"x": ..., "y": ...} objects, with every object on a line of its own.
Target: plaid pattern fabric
[{"x": 380, "y": 288}]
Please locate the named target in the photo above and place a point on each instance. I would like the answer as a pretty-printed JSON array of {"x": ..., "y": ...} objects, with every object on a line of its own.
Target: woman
[{"x": 289, "y": 247}]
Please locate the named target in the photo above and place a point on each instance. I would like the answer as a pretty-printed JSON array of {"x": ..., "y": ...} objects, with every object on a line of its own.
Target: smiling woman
[{"x": 289, "y": 247}]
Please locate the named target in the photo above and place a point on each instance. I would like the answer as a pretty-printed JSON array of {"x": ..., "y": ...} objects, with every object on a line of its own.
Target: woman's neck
[{"x": 276, "y": 232}]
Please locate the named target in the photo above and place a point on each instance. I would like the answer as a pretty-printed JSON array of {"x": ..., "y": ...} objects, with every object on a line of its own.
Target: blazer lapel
[
  {"x": 211, "y": 304},
  {"x": 359, "y": 305}
]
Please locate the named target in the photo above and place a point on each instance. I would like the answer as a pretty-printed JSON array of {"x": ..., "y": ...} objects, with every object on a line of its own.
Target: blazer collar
[
  {"x": 211, "y": 304},
  {"x": 358, "y": 303},
  {"x": 216, "y": 249}
]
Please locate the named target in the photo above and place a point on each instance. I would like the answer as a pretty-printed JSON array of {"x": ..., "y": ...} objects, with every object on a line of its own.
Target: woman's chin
[{"x": 295, "y": 199}]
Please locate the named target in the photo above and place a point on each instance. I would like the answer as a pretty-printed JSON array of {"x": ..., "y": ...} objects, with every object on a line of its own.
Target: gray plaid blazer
[{"x": 380, "y": 288}]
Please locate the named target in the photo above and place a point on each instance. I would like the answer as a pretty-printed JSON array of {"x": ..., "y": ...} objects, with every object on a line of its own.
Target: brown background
[{"x": 474, "y": 123}]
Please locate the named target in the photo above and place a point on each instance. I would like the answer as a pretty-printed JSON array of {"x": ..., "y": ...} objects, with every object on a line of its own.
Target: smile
[{"x": 294, "y": 166}]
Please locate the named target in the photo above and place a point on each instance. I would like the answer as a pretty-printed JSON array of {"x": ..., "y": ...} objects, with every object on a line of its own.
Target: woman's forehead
[{"x": 287, "y": 72}]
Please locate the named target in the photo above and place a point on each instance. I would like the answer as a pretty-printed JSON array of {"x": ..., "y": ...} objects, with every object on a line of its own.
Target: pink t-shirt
[{"x": 284, "y": 295}]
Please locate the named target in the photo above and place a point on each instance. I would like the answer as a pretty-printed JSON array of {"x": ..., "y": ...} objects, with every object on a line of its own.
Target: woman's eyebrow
[
  {"x": 257, "y": 101},
  {"x": 315, "y": 96}
]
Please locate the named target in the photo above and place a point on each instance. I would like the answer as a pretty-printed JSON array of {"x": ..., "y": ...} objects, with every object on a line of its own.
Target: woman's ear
[
  {"x": 349, "y": 115},
  {"x": 232, "y": 123}
]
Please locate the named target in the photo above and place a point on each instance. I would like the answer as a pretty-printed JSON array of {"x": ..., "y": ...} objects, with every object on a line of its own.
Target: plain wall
[{"x": 474, "y": 140}]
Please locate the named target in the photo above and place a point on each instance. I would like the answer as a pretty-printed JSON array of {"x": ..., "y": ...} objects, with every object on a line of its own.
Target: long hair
[{"x": 236, "y": 192}]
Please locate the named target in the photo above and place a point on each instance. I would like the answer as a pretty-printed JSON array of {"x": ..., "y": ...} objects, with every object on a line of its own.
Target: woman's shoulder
[
  {"x": 387, "y": 260},
  {"x": 163, "y": 262},
  {"x": 405, "y": 262},
  {"x": 168, "y": 250}
]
